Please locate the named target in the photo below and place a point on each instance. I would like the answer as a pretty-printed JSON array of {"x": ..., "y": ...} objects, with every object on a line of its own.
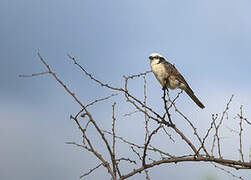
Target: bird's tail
[{"x": 194, "y": 98}]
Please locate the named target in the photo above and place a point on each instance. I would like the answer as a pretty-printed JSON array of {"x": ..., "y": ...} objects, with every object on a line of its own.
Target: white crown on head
[{"x": 155, "y": 54}]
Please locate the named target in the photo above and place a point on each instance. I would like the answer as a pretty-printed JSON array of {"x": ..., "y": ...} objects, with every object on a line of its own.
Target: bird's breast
[
  {"x": 160, "y": 72},
  {"x": 165, "y": 79}
]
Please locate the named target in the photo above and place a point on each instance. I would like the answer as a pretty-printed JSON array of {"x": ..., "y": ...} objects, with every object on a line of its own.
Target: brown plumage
[
  {"x": 194, "y": 98},
  {"x": 173, "y": 74}
]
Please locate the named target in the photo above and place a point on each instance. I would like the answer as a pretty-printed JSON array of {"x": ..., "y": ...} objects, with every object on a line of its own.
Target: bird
[{"x": 169, "y": 77}]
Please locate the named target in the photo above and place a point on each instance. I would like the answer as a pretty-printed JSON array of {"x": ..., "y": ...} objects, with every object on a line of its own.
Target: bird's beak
[{"x": 150, "y": 57}]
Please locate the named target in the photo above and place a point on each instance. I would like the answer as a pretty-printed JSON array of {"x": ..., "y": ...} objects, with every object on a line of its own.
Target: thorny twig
[
  {"x": 99, "y": 156},
  {"x": 192, "y": 126},
  {"x": 102, "y": 99},
  {"x": 240, "y": 133},
  {"x": 147, "y": 143},
  {"x": 214, "y": 117},
  {"x": 228, "y": 172},
  {"x": 35, "y": 74},
  {"x": 91, "y": 170},
  {"x": 146, "y": 117},
  {"x": 131, "y": 113},
  {"x": 113, "y": 140},
  {"x": 126, "y": 159},
  {"x": 216, "y": 135}
]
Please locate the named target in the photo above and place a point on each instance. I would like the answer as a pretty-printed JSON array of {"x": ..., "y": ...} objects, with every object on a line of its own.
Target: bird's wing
[{"x": 172, "y": 71}]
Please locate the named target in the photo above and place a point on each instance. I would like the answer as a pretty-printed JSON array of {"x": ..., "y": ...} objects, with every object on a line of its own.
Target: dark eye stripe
[{"x": 156, "y": 57}]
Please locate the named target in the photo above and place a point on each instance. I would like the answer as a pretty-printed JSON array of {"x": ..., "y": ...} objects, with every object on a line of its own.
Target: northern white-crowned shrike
[{"x": 169, "y": 76}]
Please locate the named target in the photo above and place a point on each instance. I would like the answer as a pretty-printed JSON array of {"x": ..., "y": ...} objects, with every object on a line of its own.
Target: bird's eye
[{"x": 157, "y": 57}]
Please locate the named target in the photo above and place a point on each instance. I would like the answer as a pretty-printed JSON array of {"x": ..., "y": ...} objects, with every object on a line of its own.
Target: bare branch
[
  {"x": 160, "y": 152},
  {"x": 113, "y": 140},
  {"x": 228, "y": 172},
  {"x": 147, "y": 143},
  {"x": 240, "y": 133},
  {"x": 194, "y": 129},
  {"x": 169, "y": 135},
  {"x": 133, "y": 149},
  {"x": 147, "y": 175},
  {"x": 88, "y": 114},
  {"x": 126, "y": 159},
  {"x": 189, "y": 143},
  {"x": 173, "y": 101},
  {"x": 166, "y": 107},
  {"x": 32, "y": 75},
  {"x": 216, "y": 136},
  {"x": 88, "y": 74},
  {"x": 99, "y": 100},
  {"x": 146, "y": 117},
  {"x": 245, "y": 119},
  {"x": 138, "y": 75},
  {"x": 214, "y": 117},
  {"x": 90, "y": 171},
  {"x": 225, "y": 162},
  {"x": 131, "y": 113}
]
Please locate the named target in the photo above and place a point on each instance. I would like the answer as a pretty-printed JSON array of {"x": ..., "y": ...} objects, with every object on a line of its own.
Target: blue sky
[{"x": 209, "y": 42}]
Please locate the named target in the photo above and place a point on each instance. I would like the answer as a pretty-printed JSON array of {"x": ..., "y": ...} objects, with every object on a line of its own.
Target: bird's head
[{"x": 156, "y": 57}]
